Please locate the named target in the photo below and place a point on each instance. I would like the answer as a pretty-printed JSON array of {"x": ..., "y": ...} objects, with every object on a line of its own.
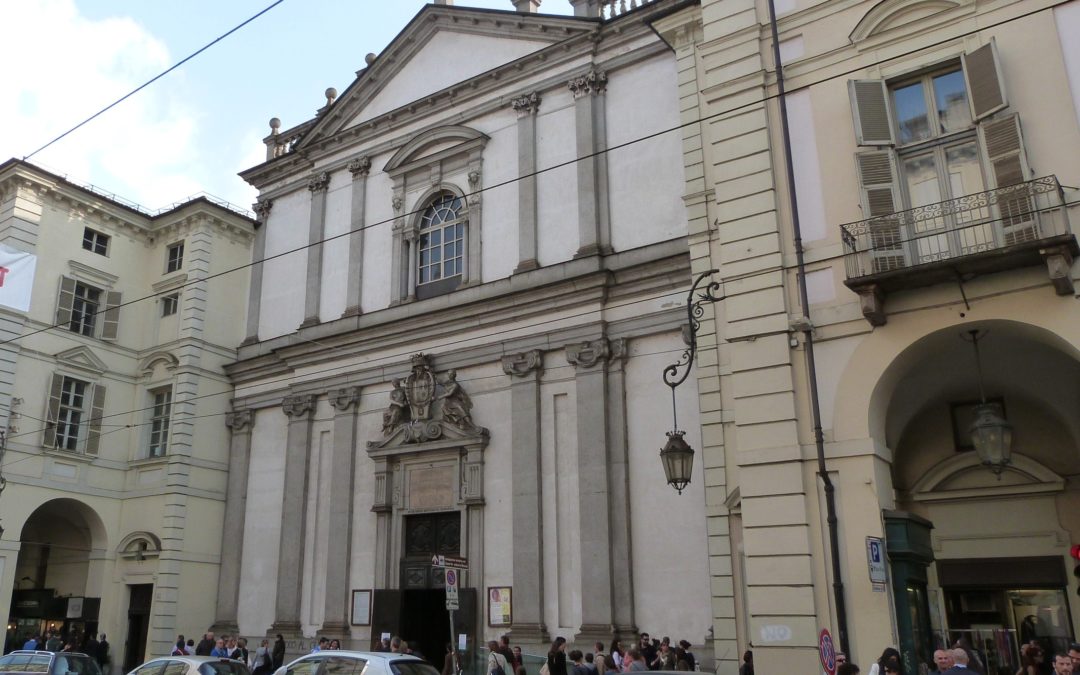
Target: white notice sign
[{"x": 16, "y": 278}]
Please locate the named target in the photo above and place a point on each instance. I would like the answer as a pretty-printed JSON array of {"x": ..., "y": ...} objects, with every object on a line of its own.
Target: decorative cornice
[
  {"x": 360, "y": 167},
  {"x": 523, "y": 363},
  {"x": 298, "y": 406},
  {"x": 344, "y": 399},
  {"x": 240, "y": 420},
  {"x": 526, "y": 105},
  {"x": 262, "y": 209},
  {"x": 594, "y": 82},
  {"x": 585, "y": 355},
  {"x": 319, "y": 182}
]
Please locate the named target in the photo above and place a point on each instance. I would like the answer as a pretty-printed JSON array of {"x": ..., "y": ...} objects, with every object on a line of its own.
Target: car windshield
[
  {"x": 404, "y": 667},
  {"x": 17, "y": 663}
]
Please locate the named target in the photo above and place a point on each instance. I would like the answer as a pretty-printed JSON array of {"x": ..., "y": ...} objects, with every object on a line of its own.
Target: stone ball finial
[
  {"x": 331, "y": 94},
  {"x": 275, "y": 124},
  {"x": 370, "y": 58}
]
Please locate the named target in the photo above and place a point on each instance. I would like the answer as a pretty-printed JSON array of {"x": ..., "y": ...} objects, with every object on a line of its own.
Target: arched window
[{"x": 441, "y": 241}]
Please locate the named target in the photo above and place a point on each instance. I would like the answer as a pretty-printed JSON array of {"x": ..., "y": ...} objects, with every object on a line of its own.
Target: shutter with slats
[
  {"x": 982, "y": 73},
  {"x": 97, "y": 411},
  {"x": 52, "y": 409},
  {"x": 871, "y": 111},
  {"x": 881, "y": 200},
  {"x": 65, "y": 301},
  {"x": 110, "y": 324},
  {"x": 1003, "y": 147}
]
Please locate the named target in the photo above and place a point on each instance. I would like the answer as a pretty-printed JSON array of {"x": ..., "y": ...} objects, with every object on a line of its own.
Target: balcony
[{"x": 1015, "y": 226}]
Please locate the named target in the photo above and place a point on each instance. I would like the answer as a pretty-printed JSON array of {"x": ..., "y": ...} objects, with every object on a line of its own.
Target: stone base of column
[
  {"x": 295, "y": 646},
  {"x": 250, "y": 340},
  {"x": 309, "y": 322},
  {"x": 590, "y": 250},
  {"x": 595, "y": 632},
  {"x": 224, "y": 627},
  {"x": 628, "y": 632},
  {"x": 351, "y": 311},
  {"x": 334, "y": 629},
  {"x": 530, "y": 633},
  {"x": 526, "y": 266}
]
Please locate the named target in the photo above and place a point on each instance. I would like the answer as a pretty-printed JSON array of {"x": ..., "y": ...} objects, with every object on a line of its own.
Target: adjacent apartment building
[
  {"x": 934, "y": 165},
  {"x": 113, "y": 399}
]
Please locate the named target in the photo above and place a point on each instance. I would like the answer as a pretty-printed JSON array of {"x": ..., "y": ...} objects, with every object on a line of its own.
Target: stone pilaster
[
  {"x": 524, "y": 370},
  {"x": 359, "y": 168},
  {"x": 619, "y": 473},
  {"x": 594, "y": 231},
  {"x": 339, "y": 520},
  {"x": 228, "y": 597},
  {"x": 526, "y": 108},
  {"x": 262, "y": 212},
  {"x": 383, "y": 508},
  {"x": 300, "y": 410},
  {"x": 590, "y": 377},
  {"x": 318, "y": 186}
]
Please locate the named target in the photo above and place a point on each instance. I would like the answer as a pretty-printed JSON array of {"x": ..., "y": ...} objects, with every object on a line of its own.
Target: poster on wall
[
  {"x": 16, "y": 278},
  {"x": 361, "y": 608},
  {"x": 499, "y": 609}
]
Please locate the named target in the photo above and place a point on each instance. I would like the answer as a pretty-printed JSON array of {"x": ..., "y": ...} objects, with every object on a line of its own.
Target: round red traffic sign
[{"x": 827, "y": 651}]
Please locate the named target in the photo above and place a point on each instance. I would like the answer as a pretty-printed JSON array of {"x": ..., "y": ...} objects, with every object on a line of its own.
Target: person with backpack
[{"x": 497, "y": 664}]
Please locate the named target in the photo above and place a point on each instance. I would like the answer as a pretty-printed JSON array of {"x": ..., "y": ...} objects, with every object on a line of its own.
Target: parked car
[
  {"x": 58, "y": 663},
  {"x": 191, "y": 665},
  {"x": 357, "y": 663}
]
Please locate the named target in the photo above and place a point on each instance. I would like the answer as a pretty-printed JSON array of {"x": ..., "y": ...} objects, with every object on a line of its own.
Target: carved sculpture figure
[
  {"x": 420, "y": 387},
  {"x": 398, "y": 411},
  {"x": 457, "y": 406}
]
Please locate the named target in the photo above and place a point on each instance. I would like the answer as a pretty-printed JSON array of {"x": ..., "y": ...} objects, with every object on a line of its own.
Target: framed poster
[
  {"x": 499, "y": 606},
  {"x": 361, "y": 608}
]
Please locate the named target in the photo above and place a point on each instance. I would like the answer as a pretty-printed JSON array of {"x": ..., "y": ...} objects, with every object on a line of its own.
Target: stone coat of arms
[{"x": 425, "y": 406}]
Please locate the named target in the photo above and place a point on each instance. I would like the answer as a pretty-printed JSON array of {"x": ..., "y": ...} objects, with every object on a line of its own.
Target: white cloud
[{"x": 70, "y": 67}]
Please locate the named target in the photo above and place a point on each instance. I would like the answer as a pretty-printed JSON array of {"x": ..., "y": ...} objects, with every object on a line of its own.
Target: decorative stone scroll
[
  {"x": 240, "y": 420},
  {"x": 298, "y": 406},
  {"x": 424, "y": 406},
  {"x": 344, "y": 399},
  {"x": 594, "y": 82},
  {"x": 520, "y": 365},
  {"x": 360, "y": 167},
  {"x": 588, "y": 354}
]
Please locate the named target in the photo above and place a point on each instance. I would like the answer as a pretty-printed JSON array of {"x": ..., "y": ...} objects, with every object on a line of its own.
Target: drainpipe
[{"x": 808, "y": 338}]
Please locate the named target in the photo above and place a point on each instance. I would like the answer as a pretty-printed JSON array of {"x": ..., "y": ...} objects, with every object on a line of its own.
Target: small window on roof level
[{"x": 95, "y": 241}]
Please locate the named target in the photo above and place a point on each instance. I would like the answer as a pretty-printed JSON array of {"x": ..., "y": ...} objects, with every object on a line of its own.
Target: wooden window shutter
[
  {"x": 52, "y": 409},
  {"x": 881, "y": 202},
  {"x": 982, "y": 74},
  {"x": 871, "y": 112},
  {"x": 97, "y": 411},
  {"x": 110, "y": 324},
  {"x": 65, "y": 301},
  {"x": 1003, "y": 147}
]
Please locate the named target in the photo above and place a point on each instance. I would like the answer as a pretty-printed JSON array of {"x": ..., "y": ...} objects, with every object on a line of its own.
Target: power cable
[
  {"x": 553, "y": 167},
  {"x": 157, "y": 77}
]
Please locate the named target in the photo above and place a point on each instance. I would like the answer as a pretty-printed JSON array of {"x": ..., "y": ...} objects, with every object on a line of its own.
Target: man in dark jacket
[
  {"x": 206, "y": 645},
  {"x": 279, "y": 651}
]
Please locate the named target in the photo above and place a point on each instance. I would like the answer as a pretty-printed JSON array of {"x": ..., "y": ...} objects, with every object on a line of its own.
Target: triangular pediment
[
  {"x": 82, "y": 358},
  {"x": 442, "y": 47}
]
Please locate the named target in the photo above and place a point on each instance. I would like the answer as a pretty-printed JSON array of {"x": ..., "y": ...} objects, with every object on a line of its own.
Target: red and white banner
[{"x": 16, "y": 278}]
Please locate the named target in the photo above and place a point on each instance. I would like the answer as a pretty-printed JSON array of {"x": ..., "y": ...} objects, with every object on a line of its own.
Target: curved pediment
[
  {"x": 963, "y": 476},
  {"x": 433, "y": 142},
  {"x": 890, "y": 14},
  {"x": 147, "y": 365}
]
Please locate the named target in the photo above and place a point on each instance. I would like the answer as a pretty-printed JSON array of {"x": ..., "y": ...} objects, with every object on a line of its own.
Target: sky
[{"x": 193, "y": 130}]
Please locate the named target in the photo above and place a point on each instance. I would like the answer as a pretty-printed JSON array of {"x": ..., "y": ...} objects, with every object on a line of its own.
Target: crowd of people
[
  {"x": 90, "y": 644},
  {"x": 963, "y": 660},
  {"x": 263, "y": 660},
  {"x": 646, "y": 654}
]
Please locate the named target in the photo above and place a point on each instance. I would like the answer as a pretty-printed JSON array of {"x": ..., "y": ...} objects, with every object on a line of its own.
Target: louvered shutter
[
  {"x": 52, "y": 409},
  {"x": 1003, "y": 148},
  {"x": 110, "y": 323},
  {"x": 871, "y": 112},
  {"x": 65, "y": 301},
  {"x": 982, "y": 74},
  {"x": 881, "y": 200},
  {"x": 97, "y": 411}
]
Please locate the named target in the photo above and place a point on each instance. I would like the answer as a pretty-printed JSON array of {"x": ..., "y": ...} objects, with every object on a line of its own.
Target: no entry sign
[{"x": 827, "y": 651}]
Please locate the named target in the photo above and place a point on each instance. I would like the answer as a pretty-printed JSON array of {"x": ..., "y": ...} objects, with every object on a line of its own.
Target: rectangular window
[
  {"x": 159, "y": 422},
  {"x": 174, "y": 259},
  {"x": 169, "y": 304},
  {"x": 95, "y": 241},
  {"x": 69, "y": 418},
  {"x": 84, "y": 309}
]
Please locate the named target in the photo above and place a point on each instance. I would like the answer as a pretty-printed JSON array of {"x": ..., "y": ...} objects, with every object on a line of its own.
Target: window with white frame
[
  {"x": 938, "y": 136},
  {"x": 84, "y": 309},
  {"x": 441, "y": 240},
  {"x": 73, "y": 414},
  {"x": 169, "y": 303},
  {"x": 174, "y": 257},
  {"x": 160, "y": 412},
  {"x": 95, "y": 241},
  {"x": 88, "y": 310}
]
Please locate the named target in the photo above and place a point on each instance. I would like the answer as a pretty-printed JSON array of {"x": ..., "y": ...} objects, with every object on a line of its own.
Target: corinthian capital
[
  {"x": 319, "y": 182},
  {"x": 528, "y": 104},
  {"x": 594, "y": 82},
  {"x": 240, "y": 420},
  {"x": 360, "y": 167},
  {"x": 262, "y": 209},
  {"x": 298, "y": 406}
]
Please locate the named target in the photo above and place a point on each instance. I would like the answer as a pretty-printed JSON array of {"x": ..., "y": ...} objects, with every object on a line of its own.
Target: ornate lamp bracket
[{"x": 676, "y": 373}]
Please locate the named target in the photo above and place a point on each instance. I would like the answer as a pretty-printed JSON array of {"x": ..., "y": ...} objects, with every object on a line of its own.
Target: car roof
[
  {"x": 369, "y": 656},
  {"x": 43, "y": 652},
  {"x": 192, "y": 659}
]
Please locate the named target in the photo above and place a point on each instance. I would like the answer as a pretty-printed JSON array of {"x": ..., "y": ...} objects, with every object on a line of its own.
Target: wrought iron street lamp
[
  {"x": 677, "y": 456},
  {"x": 991, "y": 433}
]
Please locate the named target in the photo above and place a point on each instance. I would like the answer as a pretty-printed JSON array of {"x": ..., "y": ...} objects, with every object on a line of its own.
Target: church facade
[{"x": 455, "y": 345}]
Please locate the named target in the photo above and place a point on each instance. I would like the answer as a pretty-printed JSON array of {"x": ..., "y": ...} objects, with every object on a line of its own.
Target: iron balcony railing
[{"x": 977, "y": 223}]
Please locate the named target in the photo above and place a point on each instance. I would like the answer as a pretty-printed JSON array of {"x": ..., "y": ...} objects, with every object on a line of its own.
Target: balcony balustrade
[{"x": 1013, "y": 226}]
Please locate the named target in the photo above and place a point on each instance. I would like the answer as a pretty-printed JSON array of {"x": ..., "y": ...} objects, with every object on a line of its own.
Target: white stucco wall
[
  {"x": 500, "y": 227},
  {"x": 378, "y": 239},
  {"x": 556, "y": 190},
  {"x": 646, "y": 178},
  {"x": 447, "y": 57},
  {"x": 282, "y": 306},
  {"x": 335, "y": 252},
  {"x": 804, "y": 157},
  {"x": 1067, "y": 18}
]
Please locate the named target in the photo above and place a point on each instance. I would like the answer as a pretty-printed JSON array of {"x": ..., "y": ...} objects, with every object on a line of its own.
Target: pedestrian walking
[
  {"x": 556, "y": 657},
  {"x": 496, "y": 662},
  {"x": 278, "y": 653},
  {"x": 263, "y": 661}
]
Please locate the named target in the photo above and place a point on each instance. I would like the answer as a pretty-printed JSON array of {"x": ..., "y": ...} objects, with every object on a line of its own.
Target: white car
[
  {"x": 341, "y": 662},
  {"x": 192, "y": 665}
]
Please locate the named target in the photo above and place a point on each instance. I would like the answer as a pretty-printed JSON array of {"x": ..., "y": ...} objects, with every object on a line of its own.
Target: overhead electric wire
[
  {"x": 712, "y": 237},
  {"x": 157, "y": 77}
]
